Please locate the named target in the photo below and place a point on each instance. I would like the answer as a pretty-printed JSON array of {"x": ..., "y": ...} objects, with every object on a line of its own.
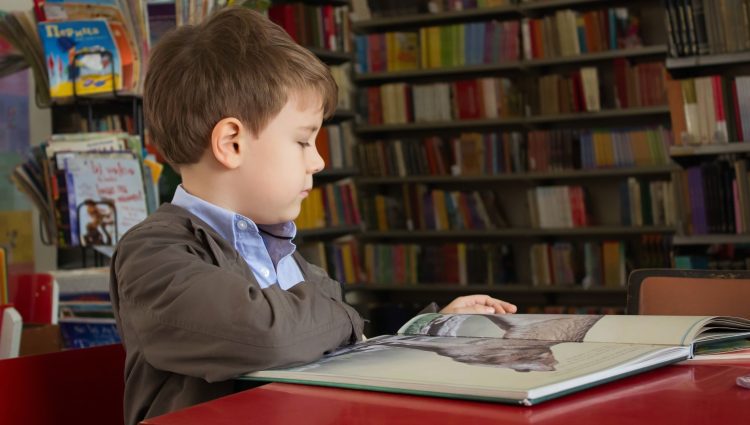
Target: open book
[{"x": 522, "y": 359}]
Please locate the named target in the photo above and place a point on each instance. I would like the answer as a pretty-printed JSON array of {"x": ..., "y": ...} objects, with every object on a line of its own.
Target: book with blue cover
[{"x": 84, "y": 52}]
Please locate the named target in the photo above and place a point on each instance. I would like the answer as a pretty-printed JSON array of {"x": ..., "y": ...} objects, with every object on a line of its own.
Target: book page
[
  {"x": 486, "y": 367},
  {"x": 668, "y": 330}
]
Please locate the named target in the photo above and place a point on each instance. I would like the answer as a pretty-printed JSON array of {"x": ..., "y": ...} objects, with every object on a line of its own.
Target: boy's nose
[{"x": 317, "y": 163}]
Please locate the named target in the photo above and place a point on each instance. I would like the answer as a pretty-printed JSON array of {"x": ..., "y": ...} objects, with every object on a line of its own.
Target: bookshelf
[
  {"x": 523, "y": 71},
  {"x": 709, "y": 56}
]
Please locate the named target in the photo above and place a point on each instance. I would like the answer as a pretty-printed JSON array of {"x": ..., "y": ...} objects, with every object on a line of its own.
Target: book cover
[{"x": 83, "y": 52}]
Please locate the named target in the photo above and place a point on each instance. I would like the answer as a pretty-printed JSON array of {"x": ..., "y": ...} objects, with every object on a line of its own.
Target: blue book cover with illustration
[{"x": 83, "y": 51}]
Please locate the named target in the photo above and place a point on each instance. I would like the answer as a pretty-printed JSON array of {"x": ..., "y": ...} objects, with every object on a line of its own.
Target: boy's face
[{"x": 277, "y": 167}]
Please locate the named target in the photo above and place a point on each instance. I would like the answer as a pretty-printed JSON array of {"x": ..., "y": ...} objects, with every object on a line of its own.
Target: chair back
[
  {"x": 82, "y": 387},
  {"x": 689, "y": 292}
]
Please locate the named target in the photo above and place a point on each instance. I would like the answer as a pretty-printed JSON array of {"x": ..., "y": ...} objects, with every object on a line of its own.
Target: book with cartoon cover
[
  {"x": 82, "y": 51},
  {"x": 519, "y": 358}
]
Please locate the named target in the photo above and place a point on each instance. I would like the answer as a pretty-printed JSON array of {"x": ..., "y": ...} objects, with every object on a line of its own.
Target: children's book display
[
  {"x": 94, "y": 48},
  {"x": 90, "y": 188},
  {"x": 521, "y": 359}
]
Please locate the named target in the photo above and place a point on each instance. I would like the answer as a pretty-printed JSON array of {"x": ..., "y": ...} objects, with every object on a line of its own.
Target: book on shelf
[
  {"x": 418, "y": 208},
  {"x": 335, "y": 143},
  {"x": 554, "y": 207},
  {"x": 493, "y": 153},
  {"x": 326, "y": 26},
  {"x": 334, "y": 204},
  {"x": 713, "y": 197},
  {"x": 646, "y": 203},
  {"x": 597, "y": 263},
  {"x": 569, "y": 33},
  {"x": 702, "y": 27},
  {"x": 710, "y": 110},
  {"x": 580, "y": 91},
  {"x": 517, "y": 359},
  {"x": 457, "y": 263},
  {"x": 340, "y": 258}
]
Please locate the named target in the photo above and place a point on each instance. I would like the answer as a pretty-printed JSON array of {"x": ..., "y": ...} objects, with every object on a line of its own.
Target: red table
[{"x": 680, "y": 394}]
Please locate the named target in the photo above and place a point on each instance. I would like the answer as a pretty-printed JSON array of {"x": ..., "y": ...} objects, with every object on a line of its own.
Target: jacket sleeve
[{"x": 193, "y": 317}]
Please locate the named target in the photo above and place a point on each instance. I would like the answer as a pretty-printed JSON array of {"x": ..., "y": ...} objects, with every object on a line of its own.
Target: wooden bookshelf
[
  {"x": 714, "y": 239},
  {"x": 657, "y": 111},
  {"x": 646, "y": 51},
  {"x": 681, "y": 64},
  {"x": 331, "y": 57},
  {"x": 428, "y": 19},
  {"x": 343, "y": 114},
  {"x": 603, "y": 184},
  {"x": 508, "y": 11},
  {"x": 327, "y": 232},
  {"x": 554, "y": 175},
  {"x": 519, "y": 233},
  {"x": 336, "y": 173},
  {"x": 717, "y": 149}
]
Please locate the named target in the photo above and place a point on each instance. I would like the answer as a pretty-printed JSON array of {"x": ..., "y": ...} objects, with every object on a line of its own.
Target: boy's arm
[{"x": 194, "y": 318}]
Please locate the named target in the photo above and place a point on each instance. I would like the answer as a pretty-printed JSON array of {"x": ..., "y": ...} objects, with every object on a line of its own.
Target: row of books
[
  {"x": 382, "y": 8},
  {"x": 717, "y": 257},
  {"x": 457, "y": 263},
  {"x": 515, "y": 152},
  {"x": 646, "y": 203},
  {"x": 340, "y": 258},
  {"x": 418, "y": 208},
  {"x": 714, "y": 197},
  {"x": 710, "y": 110},
  {"x": 455, "y": 45},
  {"x": 399, "y": 103},
  {"x": 566, "y": 33},
  {"x": 570, "y": 33},
  {"x": 333, "y": 204},
  {"x": 335, "y": 144},
  {"x": 75, "y": 122},
  {"x": 555, "y": 207},
  {"x": 90, "y": 188},
  {"x": 702, "y": 27},
  {"x": 638, "y": 85},
  {"x": 326, "y": 27},
  {"x": 596, "y": 264}
]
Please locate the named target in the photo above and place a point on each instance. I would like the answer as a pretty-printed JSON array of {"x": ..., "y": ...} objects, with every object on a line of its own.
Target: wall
[{"x": 45, "y": 257}]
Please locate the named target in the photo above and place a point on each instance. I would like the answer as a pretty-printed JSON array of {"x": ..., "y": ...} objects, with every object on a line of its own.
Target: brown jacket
[{"x": 192, "y": 316}]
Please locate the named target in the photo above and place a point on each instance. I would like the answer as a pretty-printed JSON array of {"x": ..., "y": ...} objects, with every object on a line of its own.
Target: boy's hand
[{"x": 478, "y": 304}]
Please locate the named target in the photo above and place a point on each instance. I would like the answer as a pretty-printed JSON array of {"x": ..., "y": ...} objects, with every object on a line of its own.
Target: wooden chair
[
  {"x": 689, "y": 292},
  {"x": 81, "y": 387}
]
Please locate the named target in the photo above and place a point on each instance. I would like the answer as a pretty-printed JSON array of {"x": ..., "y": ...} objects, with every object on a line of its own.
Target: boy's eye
[{"x": 304, "y": 144}]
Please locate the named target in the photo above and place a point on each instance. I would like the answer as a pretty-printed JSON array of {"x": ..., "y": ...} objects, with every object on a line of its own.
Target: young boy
[{"x": 210, "y": 287}]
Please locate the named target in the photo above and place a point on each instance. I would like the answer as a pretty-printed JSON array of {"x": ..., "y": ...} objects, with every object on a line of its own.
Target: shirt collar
[{"x": 222, "y": 220}]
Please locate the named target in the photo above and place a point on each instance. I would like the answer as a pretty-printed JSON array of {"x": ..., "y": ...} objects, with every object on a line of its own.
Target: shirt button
[
  {"x": 242, "y": 224},
  {"x": 265, "y": 272}
]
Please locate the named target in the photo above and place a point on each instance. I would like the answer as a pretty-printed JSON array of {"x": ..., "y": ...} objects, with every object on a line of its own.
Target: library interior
[{"x": 586, "y": 161}]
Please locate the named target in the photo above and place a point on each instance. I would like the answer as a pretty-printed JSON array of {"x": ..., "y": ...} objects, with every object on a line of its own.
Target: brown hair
[{"x": 235, "y": 64}]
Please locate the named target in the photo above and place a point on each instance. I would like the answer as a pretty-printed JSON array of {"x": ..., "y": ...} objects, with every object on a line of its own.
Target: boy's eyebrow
[{"x": 310, "y": 128}]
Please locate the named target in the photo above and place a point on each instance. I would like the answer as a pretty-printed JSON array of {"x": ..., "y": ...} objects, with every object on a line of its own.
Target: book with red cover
[{"x": 35, "y": 296}]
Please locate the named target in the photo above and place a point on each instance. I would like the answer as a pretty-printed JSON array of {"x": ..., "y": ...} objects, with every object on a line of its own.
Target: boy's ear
[{"x": 226, "y": 142}]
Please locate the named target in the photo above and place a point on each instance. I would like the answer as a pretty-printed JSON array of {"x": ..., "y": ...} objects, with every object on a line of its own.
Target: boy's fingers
[{"x": 501, "y": 306}]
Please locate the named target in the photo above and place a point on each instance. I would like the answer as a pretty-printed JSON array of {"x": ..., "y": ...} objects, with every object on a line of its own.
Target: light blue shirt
[{"x": 267, "y": 249}]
